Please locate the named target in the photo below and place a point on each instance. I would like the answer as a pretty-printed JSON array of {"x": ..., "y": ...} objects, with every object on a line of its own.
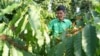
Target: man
[{"x": 58, "y": 25}]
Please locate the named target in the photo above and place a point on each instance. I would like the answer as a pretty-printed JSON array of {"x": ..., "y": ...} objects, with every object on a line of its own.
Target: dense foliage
[{"x": 24, "y": 32}]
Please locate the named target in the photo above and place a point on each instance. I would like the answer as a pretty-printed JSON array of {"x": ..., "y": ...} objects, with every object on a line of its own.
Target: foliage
[{"x": 24, "y": 32}]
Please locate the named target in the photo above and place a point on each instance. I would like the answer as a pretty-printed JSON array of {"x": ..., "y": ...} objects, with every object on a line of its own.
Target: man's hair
[{"x": 61, "y": 7}]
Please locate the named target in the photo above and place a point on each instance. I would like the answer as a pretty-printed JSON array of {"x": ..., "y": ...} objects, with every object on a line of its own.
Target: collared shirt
[{"x": 57, "y": 27}]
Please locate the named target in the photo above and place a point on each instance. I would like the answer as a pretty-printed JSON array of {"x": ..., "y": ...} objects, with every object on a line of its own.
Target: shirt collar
[{"x": 61, "y": 21}]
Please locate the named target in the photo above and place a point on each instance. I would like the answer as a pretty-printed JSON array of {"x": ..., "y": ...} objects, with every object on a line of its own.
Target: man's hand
[{"x": 74, "y": 31}]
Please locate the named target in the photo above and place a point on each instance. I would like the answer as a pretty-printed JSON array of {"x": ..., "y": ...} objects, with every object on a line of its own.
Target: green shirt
[{"x": 57, "y": 27}]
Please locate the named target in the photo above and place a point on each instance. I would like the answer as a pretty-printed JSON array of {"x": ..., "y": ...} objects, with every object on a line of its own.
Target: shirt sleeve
[
  {"x": 50, "y": 27},
  {"x": 70, "y": 24}
]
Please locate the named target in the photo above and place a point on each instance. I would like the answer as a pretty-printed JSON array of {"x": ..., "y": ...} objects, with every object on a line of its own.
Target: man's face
[{"x": 60, "y": 14}]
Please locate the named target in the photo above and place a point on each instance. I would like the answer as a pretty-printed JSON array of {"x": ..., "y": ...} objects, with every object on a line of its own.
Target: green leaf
[
  {"x": 1, "y": 47},
  {"x": 70, "y": 46},
  {"x": 26, "y": 34},
  {"x": 97, "y": 8},
  {"x": 34, "y": 20},
  {"x": 9, "y": 9},
  {"x": 60, "y": 49},
  {"x": 24, "y": 23},
  {"x": 78, "y": 44},
  {"x": 57, "y": 50},
  {"x": 51, "y": 52},
  {"x": 19, "y": 25},
  {"x": 7, "y": 31},
  {"x": 6, "y": 49},
  {"x": 2, "y": 26},
  {"x": 79, "y": 23},
  {"x": 16, "y": 17},
  {"x": 17, "y": 52},
  {"x": 25, "y": 53},
  {"x": 89, "y": 40},
  {"x": 14, "y": 52},
  {"x": 21, "y": 22}
]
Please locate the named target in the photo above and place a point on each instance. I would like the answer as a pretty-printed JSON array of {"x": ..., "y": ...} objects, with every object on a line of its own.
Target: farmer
[{"x": 59, "y": 24}]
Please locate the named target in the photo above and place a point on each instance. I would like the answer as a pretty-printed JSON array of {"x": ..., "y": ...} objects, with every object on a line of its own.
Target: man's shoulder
[
  {"x": 67, "y": 20},
  {"x": 54, "y": 20}
]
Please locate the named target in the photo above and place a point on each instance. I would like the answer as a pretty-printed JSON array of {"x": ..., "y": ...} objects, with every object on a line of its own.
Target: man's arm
[{"x": 50, "y": 27}]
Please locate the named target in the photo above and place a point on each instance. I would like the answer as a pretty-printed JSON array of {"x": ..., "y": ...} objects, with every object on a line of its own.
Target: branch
[{"x": 12, "y": 42}]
